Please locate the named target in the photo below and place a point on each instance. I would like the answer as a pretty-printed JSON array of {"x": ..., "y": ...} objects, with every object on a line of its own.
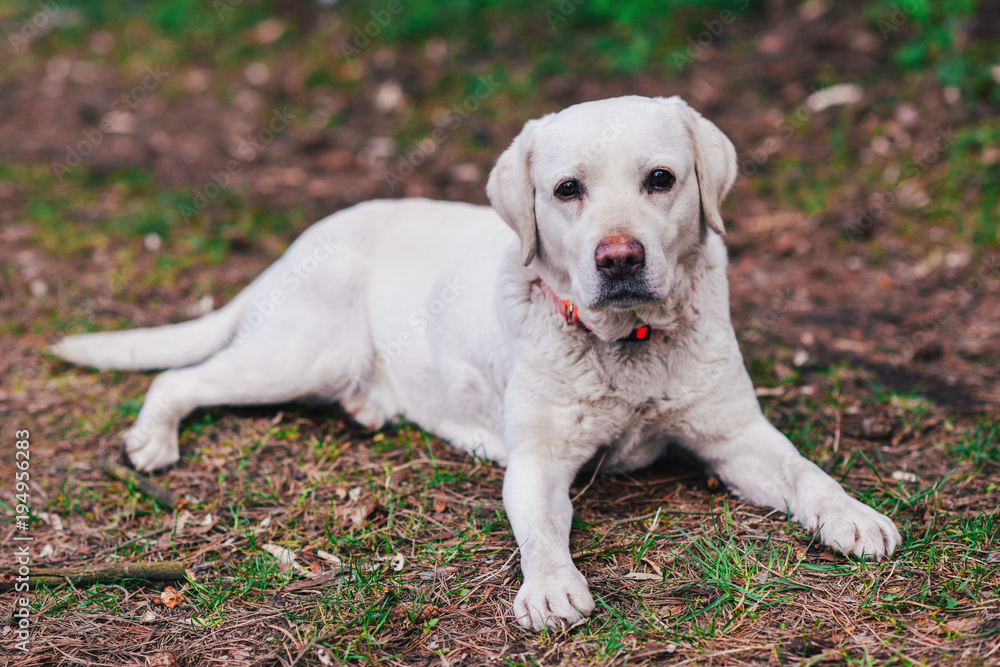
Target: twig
[
  {"x": 134, "y": 480},
  {"x": 597, "y": 469},
  {"x": 836, "y": 434},
  {"x": 98, "y": 574}
]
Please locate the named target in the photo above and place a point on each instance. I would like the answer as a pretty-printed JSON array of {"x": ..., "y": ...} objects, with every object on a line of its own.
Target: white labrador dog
[{"x": 594, "y": 326}]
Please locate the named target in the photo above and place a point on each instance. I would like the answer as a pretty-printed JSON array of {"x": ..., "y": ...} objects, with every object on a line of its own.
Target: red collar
[{"x": 572, "y": 317}]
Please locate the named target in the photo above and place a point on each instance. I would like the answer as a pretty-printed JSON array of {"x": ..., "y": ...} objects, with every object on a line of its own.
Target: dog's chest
[{"x": 639, "y": 398}]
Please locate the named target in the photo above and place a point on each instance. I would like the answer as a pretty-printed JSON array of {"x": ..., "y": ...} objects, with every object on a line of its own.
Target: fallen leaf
[
  {"x": 312, "y": 582},
  {"x": 53, "y": 520},
  {"x": 162, "y": 659},
  {"x": 286, "y": 559},
  {"x": 170, "y": 597},
  {"x": 643, "y": 576},
  {"x": 994, "y": 557},
  {"x": 440, "y": 503},
  {"x": 963, "y": 625},
  {"x": 183, "y": 519},
  {"x": 330, "y": 558},
  {"x": 356, "y": 514},
  {"x": 654, "y": 650},
  {"x": 436, "y": 573}
]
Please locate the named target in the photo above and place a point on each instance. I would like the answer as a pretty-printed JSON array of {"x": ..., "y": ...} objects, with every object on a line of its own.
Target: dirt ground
[{"x": 873, "y": 337}]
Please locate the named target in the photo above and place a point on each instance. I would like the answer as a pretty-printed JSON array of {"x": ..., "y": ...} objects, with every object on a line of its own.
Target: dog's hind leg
[{"x": 272, "y": 366}]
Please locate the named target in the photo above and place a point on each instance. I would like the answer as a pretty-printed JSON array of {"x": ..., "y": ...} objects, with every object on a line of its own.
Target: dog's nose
[{"x": 619, "y": 256}]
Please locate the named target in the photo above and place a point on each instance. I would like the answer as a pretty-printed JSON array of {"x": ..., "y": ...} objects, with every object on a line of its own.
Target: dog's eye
[
  {"x": 660, "y": 179},
  {"x": 568, "y": 189}
]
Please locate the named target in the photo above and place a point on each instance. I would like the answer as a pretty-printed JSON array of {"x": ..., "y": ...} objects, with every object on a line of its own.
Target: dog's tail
[{"x": 169, "y": 346}]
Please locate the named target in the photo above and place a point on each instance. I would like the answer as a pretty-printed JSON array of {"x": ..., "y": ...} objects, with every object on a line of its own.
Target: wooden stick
[
  {"x": 98, "y": 574},
  {"x": 134, "y": 480}
]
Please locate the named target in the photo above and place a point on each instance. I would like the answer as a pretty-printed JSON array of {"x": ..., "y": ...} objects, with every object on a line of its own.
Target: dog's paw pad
[
  {"x": 153, "y": 450},
  {"x": 852, "y": 527},
  {"x": 556, "y": 601}
]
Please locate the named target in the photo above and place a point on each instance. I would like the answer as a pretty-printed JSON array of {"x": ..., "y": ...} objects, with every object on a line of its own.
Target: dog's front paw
[
  {"x": 851, "y": 527},
  {"x": 151, "y": 449},
  {"x": 555, "y": 601}
]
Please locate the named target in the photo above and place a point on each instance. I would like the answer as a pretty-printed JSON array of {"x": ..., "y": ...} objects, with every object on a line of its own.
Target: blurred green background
[{"x": 367, "y": 85}]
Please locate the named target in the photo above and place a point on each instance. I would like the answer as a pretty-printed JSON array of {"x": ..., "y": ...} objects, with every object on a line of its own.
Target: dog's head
[{"x": 612, "y": 201}]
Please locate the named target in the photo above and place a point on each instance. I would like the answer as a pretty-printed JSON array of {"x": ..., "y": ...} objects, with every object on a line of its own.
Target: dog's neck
[{"x": 572, "y": 316}]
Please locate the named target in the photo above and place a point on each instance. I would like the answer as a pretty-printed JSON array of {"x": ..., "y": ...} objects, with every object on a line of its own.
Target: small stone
[
  {"x": 465, "y": 172},
  {"x": 196, "y": 80},
  {"x": 119, "y": 121},
  {"x": 389, "y": 96},
  {"x": 436, "y": 51},
  {"x": 269, "y": 31},
  {"x": 907, "y": 114},
  {"x": 256, "y": 74}
]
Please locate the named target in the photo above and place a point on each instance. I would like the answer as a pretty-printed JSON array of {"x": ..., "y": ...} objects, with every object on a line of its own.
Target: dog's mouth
[{"x": 624, "y": 294}]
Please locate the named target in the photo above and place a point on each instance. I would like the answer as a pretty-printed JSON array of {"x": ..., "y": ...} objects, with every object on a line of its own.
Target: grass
[{"x": 700, "y": 575}]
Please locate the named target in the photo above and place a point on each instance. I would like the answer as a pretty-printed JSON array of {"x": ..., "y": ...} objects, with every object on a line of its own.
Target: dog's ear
[
  {"x": 512, "y": 193},
  {"x": 714, "y": 160}
]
